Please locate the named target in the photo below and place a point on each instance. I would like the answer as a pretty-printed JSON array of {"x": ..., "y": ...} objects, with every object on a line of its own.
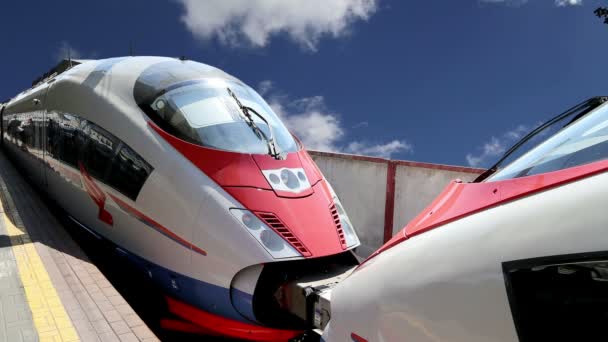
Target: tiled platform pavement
[
  {"x": 16, "y": 322},
  {"x": 49, "y": 290}
]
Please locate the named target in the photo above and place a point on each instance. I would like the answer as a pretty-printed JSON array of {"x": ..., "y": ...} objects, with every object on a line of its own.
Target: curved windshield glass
[
  {"x": 203, "y": 112},
  {"x": 579, "y": 140}
]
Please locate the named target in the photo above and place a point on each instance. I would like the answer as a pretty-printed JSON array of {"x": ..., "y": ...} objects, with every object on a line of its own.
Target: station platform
[{"x": 49, "y": 288}]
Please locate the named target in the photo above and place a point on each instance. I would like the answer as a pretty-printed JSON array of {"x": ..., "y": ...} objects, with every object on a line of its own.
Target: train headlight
[
  {"x": 250, "y": 221},
  {"x": 268, "y": 238},
  {"x": 302, "y": 176},
  {"x": 347, "y": 226},
  {"x": 292, "y": 180},
  {"x": 271, "y": 240},
  {"x": 349, "y": 231},
  {"x": 274, "y": 179}
]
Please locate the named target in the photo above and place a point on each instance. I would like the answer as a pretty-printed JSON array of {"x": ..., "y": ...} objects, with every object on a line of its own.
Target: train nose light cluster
[
  {"x": 347, "y": 227},
  {"x": 271, "y": 240},
  {"x": 290, "y": 180},
  {"x": 268, "y": 238},
  {"x": 251, "y": 221},
  {"x": 274, "y": 179},
  {"x": 302, "y": 176}
]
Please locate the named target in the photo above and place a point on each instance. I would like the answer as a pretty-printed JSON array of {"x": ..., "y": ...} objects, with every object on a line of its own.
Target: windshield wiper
[
  {"x": 582, "y": 109},
  {"x": 273, "y": 150}
]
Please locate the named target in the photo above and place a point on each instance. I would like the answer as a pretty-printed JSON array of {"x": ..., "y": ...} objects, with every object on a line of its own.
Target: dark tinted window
[
  {"x": 71, "y": 143},
  {"x": 191, "y": 101},
  {"x": 129, "y": 172},
  {"x": 575, "y": 139},
  {"x": 27, "y": 130},
  {"x": 99, "y": 150},
  {"x": 36, "y": 131},
  {"x": 64, "y": 138},
  {"x": 106, "y": 158},
  {"x": 559, "y": 298}
]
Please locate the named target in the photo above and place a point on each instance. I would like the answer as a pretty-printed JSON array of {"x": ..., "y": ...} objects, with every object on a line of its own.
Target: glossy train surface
[
  {"x": 190, "y": 174},
  {"x": 520, "y": 255}
]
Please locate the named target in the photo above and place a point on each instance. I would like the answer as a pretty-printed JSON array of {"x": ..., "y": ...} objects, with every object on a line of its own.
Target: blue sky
[{"x": 443, "y": 81}]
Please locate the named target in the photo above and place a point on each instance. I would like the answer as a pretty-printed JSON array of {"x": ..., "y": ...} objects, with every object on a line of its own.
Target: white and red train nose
[
  {"x": 289, "y": 196},
  {"x": 192, "y": 176}
]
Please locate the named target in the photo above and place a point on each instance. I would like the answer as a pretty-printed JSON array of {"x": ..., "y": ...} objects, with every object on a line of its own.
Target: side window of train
[
  {"x": 71, "y": 138},
  {"x": 53, "y": 136},
  {"x": 98, "y": 151},
  {"x": 27, "y": 129},
  {"x": 13, "y": 125},
  {"x": 64, "y": 137},
  {"x": 39, "y": 130},
  {"x": 566, "y": 291},
  {"x": 129, "y": 172},
  {"x": 8, "y": 125},
  {"x": 111, "y": 161}
]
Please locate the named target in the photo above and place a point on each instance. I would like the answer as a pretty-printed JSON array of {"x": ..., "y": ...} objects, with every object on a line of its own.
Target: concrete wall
[
  {"x": 417, "y": 187},
  {"x": 381, "y": 196},
  {"x": 361, "y": 187}
]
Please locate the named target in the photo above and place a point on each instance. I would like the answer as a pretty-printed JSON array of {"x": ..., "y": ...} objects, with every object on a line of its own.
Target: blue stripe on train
[
  {"x": 243, "y": 302},
  {"x": 208, "y": 297}
]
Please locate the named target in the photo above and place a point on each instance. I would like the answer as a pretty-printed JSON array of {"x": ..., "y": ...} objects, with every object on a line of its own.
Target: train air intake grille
[
  {"x": 278, "y": 226},
  {"x": 336, "y": 217}
]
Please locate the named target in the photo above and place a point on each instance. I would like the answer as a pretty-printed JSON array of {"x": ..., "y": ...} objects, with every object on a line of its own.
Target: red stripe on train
[
  {"x": 357, "y": 338},
  {"x": 97, "y": 195},
  {"x": 217, "y": 325},
  {"x": 138, "y": 214}
]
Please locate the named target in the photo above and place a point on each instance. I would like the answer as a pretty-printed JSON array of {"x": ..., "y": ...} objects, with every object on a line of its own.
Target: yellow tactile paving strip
[{"x": 50, "y": 317}]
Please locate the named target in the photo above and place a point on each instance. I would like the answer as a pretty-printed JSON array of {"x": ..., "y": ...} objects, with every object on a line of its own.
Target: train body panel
[
  {"x": 520, "y": 254},
  {"x": 452, "y": 285},
  {"x": 85, "y": 138}
]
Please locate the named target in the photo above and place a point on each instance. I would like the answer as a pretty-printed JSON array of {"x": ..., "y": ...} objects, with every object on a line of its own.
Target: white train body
[
  {"x": 177, "y": 208},
  {"x": 520, "y": 256}
]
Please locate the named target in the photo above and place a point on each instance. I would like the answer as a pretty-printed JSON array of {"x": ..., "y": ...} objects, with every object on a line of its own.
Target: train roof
[
  {"x": 58, "y": 69},
  {"x": 90, "y": 72}
]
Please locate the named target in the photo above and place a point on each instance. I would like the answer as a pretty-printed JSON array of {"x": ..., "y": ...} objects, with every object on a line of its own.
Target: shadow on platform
[{"x": 49, "y": 225}]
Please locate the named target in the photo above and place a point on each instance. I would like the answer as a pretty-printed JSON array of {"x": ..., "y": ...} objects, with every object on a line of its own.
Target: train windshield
[
  {"x": 203, "y": 112},
  {"x": 577, "y": 137}
]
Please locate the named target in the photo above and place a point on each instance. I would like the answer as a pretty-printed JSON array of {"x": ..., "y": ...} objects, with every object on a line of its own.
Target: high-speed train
[
  {"x": 521, "y": 253},
  {"x": 193, "y": 177}
]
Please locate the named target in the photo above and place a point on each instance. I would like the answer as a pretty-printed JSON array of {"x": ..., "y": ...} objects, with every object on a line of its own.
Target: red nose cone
[
  {"x": 306, "y": 214},
  {"x": 308, "y": 218},
  {"x": 239, "y": 169}
]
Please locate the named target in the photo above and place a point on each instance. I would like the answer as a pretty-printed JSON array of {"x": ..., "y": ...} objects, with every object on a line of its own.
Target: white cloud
[
  {"x": 496, "y": 147},
  {"x": 559, "y": 3},
  {"x": 321, "y": 129},
  {"x": 362, "y": 124},
  {"x": 264, "y": 87},
  {"x": 66, "y": 50},
  {"x": 491, "y": 149},
  {"x": 381, "y": 150},
  {"x": 310, "y": 121},
  {"x": 514, "y": 3},
  {"x": 518, "y": 132},
  {"x": 562, "y": 3},
  {"x": 255, "y": 21}
]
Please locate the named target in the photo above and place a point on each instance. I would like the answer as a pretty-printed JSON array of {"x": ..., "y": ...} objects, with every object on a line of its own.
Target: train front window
[
  {"x": 579, "y": 139},
  {"x": 203, "y": 112}
]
